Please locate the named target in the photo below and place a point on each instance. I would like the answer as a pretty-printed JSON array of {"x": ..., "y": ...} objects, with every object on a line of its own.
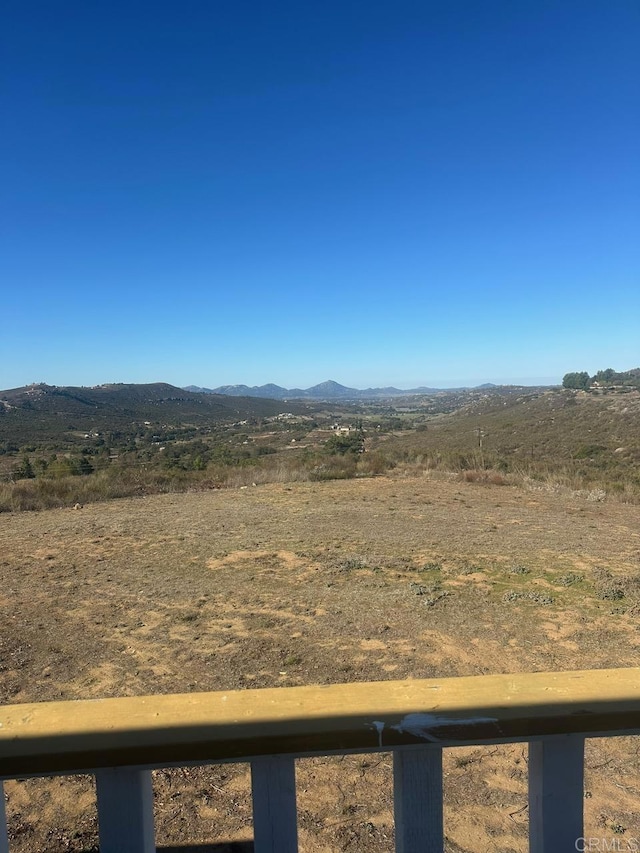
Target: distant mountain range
[
  {"x": 40, "y": 412},
  {"x": 328, "y": 390}
]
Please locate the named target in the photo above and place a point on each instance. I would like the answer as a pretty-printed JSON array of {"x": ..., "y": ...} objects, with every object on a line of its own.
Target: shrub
[
  {"x": 373, "y": 463},
  {"x": 339, "y": 468},
  {"x": 536, "y": 597},
  {"x": 25, "y": 470},
  {"x": 352, "y": 443},
  {"x": 488, "y": 477},
  {"x": 570, "y": 579}
]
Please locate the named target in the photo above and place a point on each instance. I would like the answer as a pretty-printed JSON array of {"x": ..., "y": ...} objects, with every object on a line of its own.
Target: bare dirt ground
[{"x": 357, "y": 580}]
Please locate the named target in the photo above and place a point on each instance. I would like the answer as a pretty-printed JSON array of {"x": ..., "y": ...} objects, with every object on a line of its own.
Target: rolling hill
[
  {"x": 592, "y": 437},
  {"x": 49, "y": 412}
]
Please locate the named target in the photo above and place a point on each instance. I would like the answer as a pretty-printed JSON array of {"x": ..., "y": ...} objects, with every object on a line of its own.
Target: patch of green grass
[{"x": 570, "y": 579}]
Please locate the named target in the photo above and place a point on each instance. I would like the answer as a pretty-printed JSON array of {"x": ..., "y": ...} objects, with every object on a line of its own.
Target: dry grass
[
  {"x": 318, "y": 582},
  {"x": 580, "y": 442},
  {"x": 486, "y": 477}
]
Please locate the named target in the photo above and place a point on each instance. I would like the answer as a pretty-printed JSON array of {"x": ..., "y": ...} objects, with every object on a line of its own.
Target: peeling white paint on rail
[
  {"x": 379, "y": 727},
  {"x": 422, "y": 725}
]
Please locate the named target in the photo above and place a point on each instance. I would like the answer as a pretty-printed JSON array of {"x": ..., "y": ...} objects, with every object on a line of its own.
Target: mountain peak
[{"x": 332, "y": 388}]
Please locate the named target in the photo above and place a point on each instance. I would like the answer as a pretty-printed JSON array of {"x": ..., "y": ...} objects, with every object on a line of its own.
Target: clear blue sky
[{"x": 374, "y": 192}]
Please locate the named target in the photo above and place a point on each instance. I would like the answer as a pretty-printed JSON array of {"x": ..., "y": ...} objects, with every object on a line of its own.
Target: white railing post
[
  {"x": 417, "y": 799},
  {"x": 4, "y": 832},
  {"x": 125, "y": 811},
  {"x": 556, "y": 795},
  {"x": 275, "y": 819}
]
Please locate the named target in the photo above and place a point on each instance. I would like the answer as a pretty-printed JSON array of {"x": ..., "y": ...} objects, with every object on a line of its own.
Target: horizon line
[{"x": 436, "y": 384}]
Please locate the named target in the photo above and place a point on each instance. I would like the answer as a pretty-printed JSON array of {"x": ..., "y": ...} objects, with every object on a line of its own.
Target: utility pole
[{"x": 481, "y": 434}]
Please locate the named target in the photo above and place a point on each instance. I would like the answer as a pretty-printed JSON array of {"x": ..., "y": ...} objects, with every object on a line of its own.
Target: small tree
[
  {"x": 605, "y": 376},
  {"x": 578, "y": 381},
  {"x": 343, "y": 444},
  {"x": 198, "y": 464},
  {"x": 40, "y": 466},
  {"x": 84, "y": 466},
  {"x": 25, "y": 470}
]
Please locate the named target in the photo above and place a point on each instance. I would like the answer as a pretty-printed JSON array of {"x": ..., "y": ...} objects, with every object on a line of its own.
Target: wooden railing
[{"x": 121, "y": 740}]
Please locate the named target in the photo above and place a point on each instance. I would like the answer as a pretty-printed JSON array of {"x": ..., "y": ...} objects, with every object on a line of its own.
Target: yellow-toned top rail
[{"x": 54, "y": 737}]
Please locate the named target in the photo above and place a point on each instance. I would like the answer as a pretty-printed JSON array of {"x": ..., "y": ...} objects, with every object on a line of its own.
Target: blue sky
[{"x": 379, "y": 193}]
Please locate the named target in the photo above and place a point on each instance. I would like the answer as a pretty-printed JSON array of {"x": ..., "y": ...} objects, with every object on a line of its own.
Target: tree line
[{"x": 582, "y": 381}]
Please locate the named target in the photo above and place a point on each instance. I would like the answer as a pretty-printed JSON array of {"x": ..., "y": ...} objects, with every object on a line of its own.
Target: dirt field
[{"x": 355, "y": 580}]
